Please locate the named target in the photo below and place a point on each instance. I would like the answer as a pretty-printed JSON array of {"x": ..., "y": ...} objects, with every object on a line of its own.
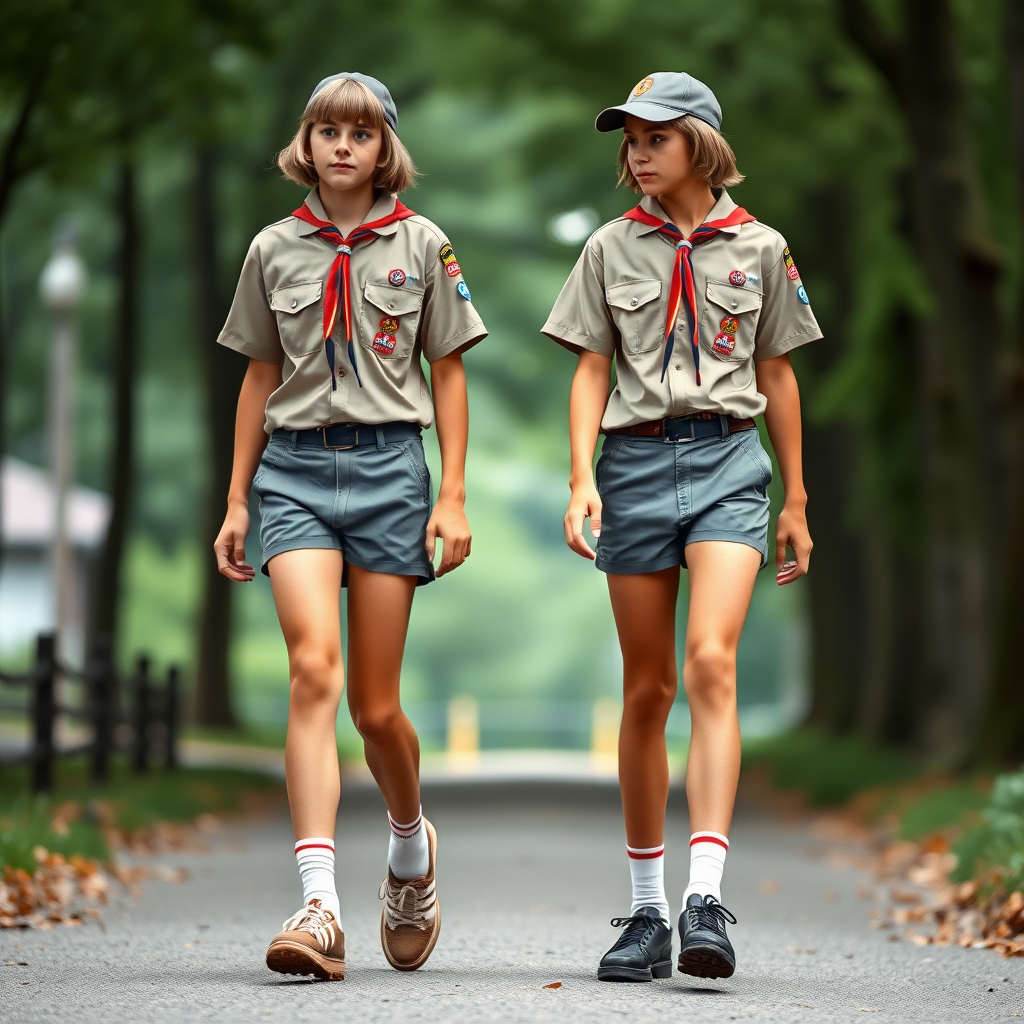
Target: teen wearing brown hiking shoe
[{"x": 335, "y": 306}]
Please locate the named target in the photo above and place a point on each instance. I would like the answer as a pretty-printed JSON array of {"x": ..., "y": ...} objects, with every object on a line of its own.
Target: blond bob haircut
[
  {"x": 712, "y": 157},
  {"x": 351, "y": 101}
]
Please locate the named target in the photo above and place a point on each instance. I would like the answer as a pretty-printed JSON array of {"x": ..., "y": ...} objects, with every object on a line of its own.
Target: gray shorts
[
  {"x": 370, "y": 503},
  {"x": 659, "y": 496}
]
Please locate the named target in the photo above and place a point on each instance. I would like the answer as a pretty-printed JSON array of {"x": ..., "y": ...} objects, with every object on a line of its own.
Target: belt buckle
[
  {"x": 681, "y": 440},
  {"x": 338, "y": 447}
]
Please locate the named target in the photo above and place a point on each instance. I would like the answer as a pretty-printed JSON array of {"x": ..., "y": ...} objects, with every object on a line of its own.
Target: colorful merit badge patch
[
  {"x": 643, "y": 86},
  {"x": 447, "y": 257},
  {"x": 730, "y": 325},
  {"x": 737, "y": 277},
  {"x": 791, "y": 270},
  {"x": 724, "y": 344},
  {"x": 463, "y": 291},
  {"x": 389, "y": 325},
  {"x": 384, "y": 343},
  {"x": 397, "y": 277},
  {"x": 801, "y": 294}
]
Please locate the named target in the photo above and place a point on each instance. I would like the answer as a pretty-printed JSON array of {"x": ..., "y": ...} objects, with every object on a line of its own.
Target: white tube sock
[
  {"x": 315, "y": 857},
  {"x": 408, "y": 851},
  {"x": 707, "y": 862},
  {"x": 647, "y": 870}
]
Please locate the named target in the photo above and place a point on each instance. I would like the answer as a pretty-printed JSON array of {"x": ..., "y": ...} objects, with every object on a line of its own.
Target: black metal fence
[{"x": 130, "y": 715}]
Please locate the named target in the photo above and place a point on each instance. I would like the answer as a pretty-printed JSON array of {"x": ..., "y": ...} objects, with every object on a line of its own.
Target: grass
[{"x": 128, "y": 801}]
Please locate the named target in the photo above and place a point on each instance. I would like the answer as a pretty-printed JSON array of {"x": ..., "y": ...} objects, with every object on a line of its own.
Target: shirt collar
[
  {"x": 722, "y": 208},
  {"x": 384, "y": 205}
]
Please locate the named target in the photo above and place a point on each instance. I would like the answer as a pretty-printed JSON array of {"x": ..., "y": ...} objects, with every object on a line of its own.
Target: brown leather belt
[{"x": 687, "y": 428}]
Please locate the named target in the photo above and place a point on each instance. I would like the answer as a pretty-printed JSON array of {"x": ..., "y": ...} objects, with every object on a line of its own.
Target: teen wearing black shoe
[{"x": 699, "y": 305}]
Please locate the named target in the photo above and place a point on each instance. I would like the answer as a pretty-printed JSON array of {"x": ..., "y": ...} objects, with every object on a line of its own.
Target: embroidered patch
[
  {"x": 729, "y": 325},
  {"x": 389, "y": 325},
  {"x": 737, "y": 277},
  {"x": 791, "y": 272},
  {"x": 463, "y": 291},
  {"x": 384, "y": 343},
  {"x": 447, "y": 256},
  {"x": 724, "y": 344},
  {"x": 801, "y": 294},
  {"x": 397, "y": 277},
  {"x": 643, "y": 86},
  {"x": 452, "y": 269}
]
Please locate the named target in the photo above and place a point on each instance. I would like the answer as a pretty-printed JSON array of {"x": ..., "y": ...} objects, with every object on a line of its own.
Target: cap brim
[{"x": 612, "y": 118}]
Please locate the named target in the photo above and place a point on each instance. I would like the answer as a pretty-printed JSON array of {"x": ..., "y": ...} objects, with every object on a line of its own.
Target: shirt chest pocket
[
  {"x": 637, "y": 313},
  {"x": 299, "y": 315},
  {"x": 730, "y": 321},
  {"x": 391, "y": 318}
]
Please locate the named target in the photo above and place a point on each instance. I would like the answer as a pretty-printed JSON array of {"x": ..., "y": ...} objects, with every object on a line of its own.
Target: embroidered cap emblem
[
  {"x": 389, "y": 325},
  {"x": 737, "y": 277},
  {"x": 724, "y": 344},
  {"x": 383, "y": 343},
  {"x": 643, "y": 86},
  {"x": 397, "y": 277},
  {"x": 729, "y": 325}
]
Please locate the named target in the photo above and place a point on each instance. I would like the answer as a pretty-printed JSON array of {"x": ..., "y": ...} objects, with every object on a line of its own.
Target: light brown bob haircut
[
  {"x": 351, "y": 101},
  {"x": 712, "y": 157}
]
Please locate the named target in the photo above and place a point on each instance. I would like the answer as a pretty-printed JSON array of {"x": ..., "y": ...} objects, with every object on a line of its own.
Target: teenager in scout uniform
[
  {"x": 335, "y": 305},
  {"x": 698, "y": 304}
]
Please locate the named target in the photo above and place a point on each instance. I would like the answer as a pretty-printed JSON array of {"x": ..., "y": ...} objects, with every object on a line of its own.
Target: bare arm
[
  {"x": 261, "y": 380},
  {"x": 587, "y": 402},
  {"x": 451, "y": 411},
  {"x": 777, "y": 382}
]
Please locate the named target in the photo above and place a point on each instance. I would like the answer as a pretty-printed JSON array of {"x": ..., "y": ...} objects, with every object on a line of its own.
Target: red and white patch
[
  {"x": 792, "y": 272},
  {"x": 384, "y": 344},
  {"x": 737, "y": 277},
  {"x": 452, "y": 269},
  {"x": 397, "y": 277},
  {"x": 724, "y": 344}
]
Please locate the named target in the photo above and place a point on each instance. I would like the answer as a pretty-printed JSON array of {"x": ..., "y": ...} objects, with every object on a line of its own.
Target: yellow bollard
[
  {"x": 604, "y": 733},
  {"x": 463, "y": 732}
]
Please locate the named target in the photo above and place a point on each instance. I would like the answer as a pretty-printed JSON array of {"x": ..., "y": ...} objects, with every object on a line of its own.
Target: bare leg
[
  {"x": 306, "y": 584},
  {"x": 378, "y": 619},
  {"x": 722, "y": 576},
  {"x": 645, "y": 617}
]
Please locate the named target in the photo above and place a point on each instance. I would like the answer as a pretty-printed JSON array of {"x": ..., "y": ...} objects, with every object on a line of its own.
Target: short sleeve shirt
[
  {"x": 405, "y": 283},
  {"x": 615, "y": 302}
]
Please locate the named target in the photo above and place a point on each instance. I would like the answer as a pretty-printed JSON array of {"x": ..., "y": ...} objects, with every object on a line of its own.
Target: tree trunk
[
  {"x": 1000, "y": 739},
  {"x": 957, "y": 258},
  {"x": 107, "y": 589},
  {"x": 223, "y": 376}
]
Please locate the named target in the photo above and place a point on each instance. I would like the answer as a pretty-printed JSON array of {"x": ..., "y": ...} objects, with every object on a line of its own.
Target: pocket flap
[
  {"x": 397, "y": 301},
  {"x": 632, "y": 294},
  {"x": 293, "y": 298},
  {"x": 733, "y": 299}
]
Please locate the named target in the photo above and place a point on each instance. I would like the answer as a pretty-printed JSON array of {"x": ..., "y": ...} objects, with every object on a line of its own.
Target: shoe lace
[
  {"x": 709, "y": 914},
  {"x": 408, "y": 904},
  {"x": 314, "y": 919},
  {"x": 635, "y": 926}
]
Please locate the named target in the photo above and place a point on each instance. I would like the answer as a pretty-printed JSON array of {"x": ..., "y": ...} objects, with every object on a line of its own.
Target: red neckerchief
[
  {"x": 682, "y": 288},
  {"x": 338, "y": 282}
]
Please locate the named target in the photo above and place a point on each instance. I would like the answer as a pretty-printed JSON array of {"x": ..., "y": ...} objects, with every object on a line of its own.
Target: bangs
[{"x": 347, "y": 101}]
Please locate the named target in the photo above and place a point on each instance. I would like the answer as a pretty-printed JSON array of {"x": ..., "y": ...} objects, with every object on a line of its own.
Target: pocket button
[
  {"x": 634, "y": 301},
  {"x": 295, "y": 302}
]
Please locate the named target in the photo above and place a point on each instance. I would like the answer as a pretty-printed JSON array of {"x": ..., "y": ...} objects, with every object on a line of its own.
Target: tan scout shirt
[
  {"x": 277, "y": 316},
  {"x": 616, "y": 301}
]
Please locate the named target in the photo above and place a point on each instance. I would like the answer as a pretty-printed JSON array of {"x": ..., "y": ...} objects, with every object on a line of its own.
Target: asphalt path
[{"x": 528, "y": 878}]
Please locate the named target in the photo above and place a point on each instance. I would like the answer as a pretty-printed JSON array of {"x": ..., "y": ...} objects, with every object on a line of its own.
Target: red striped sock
[
  {"x": 315, "y": 857},
  {"x": 647, "y": 871},
  {"x": 408, "y": 851},
  {"x": 707, "y": 863}
]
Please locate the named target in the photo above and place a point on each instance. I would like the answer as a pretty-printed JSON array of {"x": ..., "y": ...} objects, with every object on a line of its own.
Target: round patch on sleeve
[
  {"x": 464, "y": 291},
  {"x": 397, "y": 277},
  {"x": 801, "y": 294}
]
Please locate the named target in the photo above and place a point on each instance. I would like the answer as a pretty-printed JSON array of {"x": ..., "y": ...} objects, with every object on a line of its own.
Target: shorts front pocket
[
  {"x": 730, "y": 321},
  {"x": 638, "y": 314},
  {"x": 299, "y": 316}
]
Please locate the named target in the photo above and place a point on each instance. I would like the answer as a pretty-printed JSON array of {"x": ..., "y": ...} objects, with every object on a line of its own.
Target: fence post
[
  {"x": 171, "y": 718},
  {"x": 43, "y": 713},
  {"x": 101, "y": 679},
  {"x": 142, "y": 695}
]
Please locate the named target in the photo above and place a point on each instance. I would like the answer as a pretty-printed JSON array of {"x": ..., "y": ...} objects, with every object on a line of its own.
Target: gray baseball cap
[
  {"x": 664, "y": 96},
  {"x": 379, "y": 89}
]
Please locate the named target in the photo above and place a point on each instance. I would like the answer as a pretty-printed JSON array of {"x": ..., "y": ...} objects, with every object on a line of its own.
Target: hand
[
  {"x": 229, "y": 547},
  {"x": 584, "y": 503},
  {"x": 792, "y": 531},
  {"x": 448, "y": 521}
]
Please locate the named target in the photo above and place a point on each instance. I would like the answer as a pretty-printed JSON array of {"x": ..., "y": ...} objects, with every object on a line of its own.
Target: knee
[
  {"x": 710, "y": 674},
  {"x": 377, "y": 725},
  {"x": 649, "y": 695},
  {"x": 316, "y": 679}
]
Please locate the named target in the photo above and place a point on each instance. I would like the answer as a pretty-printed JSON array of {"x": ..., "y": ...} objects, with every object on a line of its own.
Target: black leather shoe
[
  {"x": 642, "y": 952},
  {"x": 704, "y": 949}
]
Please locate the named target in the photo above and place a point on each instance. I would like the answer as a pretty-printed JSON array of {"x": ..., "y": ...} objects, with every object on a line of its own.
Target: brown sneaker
[
  {"x": 310, "y": 942},
  {"x": 411, "y": 920}
]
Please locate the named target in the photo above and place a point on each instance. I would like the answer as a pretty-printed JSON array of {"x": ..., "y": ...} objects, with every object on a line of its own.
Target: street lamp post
[{"x": 61, "y": 286}]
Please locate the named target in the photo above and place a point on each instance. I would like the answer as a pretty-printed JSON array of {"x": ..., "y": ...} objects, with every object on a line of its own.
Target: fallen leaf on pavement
[{"x": 553, "y": 984}]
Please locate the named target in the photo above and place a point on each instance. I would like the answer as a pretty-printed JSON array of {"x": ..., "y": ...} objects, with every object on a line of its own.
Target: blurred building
[{"x": 27, "y": 604}]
